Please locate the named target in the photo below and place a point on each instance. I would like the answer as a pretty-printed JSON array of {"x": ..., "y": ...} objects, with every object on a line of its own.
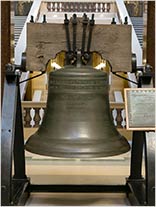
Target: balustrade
[
  {"x": 33, "y": 113},
  {"x": 79, "y": 6}
]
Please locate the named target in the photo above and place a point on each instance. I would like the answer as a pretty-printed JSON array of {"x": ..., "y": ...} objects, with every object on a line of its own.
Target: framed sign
[{"x": 140, "y": 108}]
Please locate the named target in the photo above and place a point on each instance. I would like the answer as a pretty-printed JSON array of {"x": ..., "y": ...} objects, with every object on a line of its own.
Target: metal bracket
[
  {"x": 72, "y": 54},
  {"x": 144, "y": 74},
  {"x": 12, "y": 71}
]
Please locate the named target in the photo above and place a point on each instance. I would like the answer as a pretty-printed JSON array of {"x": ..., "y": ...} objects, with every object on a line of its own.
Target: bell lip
[
  {"x": 73, "y": 154},
  {"x": 78, "y": 155}
]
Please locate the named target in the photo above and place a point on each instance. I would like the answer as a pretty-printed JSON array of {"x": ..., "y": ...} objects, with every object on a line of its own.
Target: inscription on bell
[
  {"x": 76, "y": 87},
  {"x": 70, "y": 81},
  {"x": 76, "y": 97},
  {"x": 77, "y": 84},
  {"x": 77, "y": 106},
  {"x": 76, "y": 102}
]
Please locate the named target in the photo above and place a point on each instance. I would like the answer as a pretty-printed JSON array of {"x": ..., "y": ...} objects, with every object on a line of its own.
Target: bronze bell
[{"x": 77, "y": 121}]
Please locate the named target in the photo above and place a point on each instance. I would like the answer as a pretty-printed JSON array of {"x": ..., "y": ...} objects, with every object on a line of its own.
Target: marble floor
[{"x": 75, "y": 199}]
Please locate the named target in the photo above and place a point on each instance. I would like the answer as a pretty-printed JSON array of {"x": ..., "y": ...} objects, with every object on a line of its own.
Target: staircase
[
  {"x": 138, "y": 27},
  {"x": 18, "y": 26}
]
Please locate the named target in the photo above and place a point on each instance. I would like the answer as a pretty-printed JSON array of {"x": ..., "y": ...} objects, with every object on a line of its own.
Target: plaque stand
[
  {"x": 16, "y": 189},
  {"x": 142, "y": 190}
]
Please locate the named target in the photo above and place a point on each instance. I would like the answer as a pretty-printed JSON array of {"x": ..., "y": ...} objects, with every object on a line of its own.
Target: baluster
[
  {"x": 105, "y": 7},
  {"x": 60, "y": 7},
  {"x": 76, "y": 7},
  {"x": 63, "y": 7},
  {"x": 96, "y": 7},
  {"x": 101, "y": 7},
  {"x": 37, "y": 117},
  {"x": 119, "y": 118},
  {"x": 108, "y": 7},
  {"x": 49, "y": 6},
  {"x": 32, "y": 114},
  {"x": 41, "y": 113},
  {"x": 123, "y": 115},
  {"x": 55, "y": 6},
  {"x": 93, "y": 7},
  {"x": 114, "y": 114},
  {"x": 71, "y": 7},
  {"x": 67, "y": 7},
  {"x": 85, "y": 7},
  {"x": 27, "y": 117},
  {"x": 52, "y": 7},
  {"x": 90, "y": 8}
]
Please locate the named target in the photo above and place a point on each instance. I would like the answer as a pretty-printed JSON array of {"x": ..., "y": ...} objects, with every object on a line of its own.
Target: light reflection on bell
[{"x": 77, "y": 121}]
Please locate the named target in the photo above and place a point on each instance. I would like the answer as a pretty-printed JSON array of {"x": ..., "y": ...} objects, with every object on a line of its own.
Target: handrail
[{"x": 42, "y": 104}]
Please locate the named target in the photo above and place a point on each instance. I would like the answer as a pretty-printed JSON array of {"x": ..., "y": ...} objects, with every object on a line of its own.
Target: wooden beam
[{"x": 44, "y": 41}]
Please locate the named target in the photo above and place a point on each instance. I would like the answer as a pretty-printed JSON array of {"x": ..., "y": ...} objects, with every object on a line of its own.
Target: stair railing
[{"x": 21, "y": 44}]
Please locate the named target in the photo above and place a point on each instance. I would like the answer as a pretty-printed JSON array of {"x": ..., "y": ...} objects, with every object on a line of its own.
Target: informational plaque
[{"x": 140, "y": 108}]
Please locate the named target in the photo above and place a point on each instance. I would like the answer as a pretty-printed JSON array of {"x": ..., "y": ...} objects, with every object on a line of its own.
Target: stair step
[
  {"x": 19, "y": 22},
  {"x": 139, "y": 28}
]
